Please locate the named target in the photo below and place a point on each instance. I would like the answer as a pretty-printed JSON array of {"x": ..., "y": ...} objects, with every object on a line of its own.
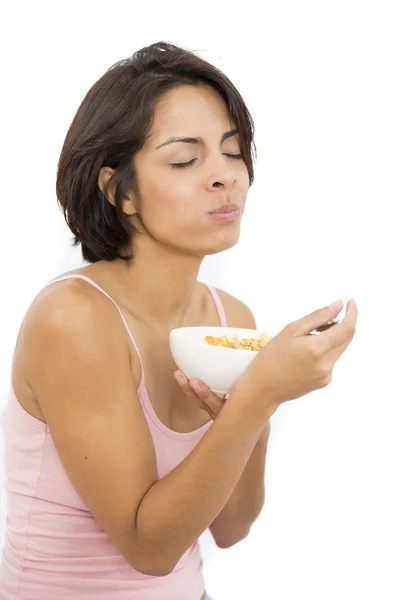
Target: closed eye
[{"x": 191, "y": 162}]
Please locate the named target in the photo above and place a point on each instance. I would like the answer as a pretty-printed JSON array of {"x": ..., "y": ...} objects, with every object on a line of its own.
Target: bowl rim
[
  {"x": 236, "y": 350},
  {"x": 214, "y": 327}
]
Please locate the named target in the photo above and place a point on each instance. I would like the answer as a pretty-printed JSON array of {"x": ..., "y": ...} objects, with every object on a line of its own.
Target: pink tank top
[{"x": 54, "y": 547}]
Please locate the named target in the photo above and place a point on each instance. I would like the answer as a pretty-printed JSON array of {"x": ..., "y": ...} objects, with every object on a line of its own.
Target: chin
[{"x": 220, "y": 244}]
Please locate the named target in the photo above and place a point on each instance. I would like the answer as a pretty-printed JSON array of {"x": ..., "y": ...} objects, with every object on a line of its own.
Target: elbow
[
  {"x": 143, "y": 558},
  {"x": 152, "y": 569},
  {"x": 159, "y": 572},
  {"x": 229, "y": 542},
  {"x": 148, "y": 563}
]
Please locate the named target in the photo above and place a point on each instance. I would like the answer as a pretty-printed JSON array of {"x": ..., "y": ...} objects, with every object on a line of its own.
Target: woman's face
[{"x": 175, "y": 202}]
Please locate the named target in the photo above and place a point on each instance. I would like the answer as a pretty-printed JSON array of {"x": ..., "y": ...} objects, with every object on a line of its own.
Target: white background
[{"x": 321, "y": 80}]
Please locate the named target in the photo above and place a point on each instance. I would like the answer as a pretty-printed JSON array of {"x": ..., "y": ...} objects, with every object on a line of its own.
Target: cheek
[
  {"x": 169, "y": 208},
  {"x": 243, "y": 180},
  {"x": 171, "y": 196}
]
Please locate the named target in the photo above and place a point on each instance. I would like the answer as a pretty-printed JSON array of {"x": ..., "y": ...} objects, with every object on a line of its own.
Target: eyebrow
[{"x": 198, "y": 141}]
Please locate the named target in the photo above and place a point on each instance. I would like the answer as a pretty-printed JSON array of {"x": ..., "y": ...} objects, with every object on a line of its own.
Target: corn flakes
[{"x": 234, "y": 342}]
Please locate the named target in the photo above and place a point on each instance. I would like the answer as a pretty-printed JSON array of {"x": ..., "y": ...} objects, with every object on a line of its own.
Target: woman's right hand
[{"x": 295, "y": 363}]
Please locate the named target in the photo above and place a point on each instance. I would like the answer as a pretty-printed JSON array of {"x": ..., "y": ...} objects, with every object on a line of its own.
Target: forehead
[{"x": 190, "y": 110}]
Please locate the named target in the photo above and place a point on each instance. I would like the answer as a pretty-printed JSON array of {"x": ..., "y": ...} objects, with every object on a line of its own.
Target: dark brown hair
[{"x": 112, "y": 124}]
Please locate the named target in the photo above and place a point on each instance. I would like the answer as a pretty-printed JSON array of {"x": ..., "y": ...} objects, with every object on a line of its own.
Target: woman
[{"x": 112, "y": 473}]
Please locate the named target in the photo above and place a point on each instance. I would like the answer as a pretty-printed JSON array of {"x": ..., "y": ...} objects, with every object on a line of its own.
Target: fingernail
[
  {"x": 196, "y": 386},
  {"x": 335, "y": 304},
  {"x": 178, "y": 376}
]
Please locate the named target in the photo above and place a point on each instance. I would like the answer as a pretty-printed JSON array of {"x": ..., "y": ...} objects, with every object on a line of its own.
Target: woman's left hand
[{"x": 201, "y": 394}]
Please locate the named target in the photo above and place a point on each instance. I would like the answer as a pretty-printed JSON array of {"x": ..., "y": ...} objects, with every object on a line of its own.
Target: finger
[
  {"x": 205, "y": 398},
  {"x": 201, "y": 394},
  {"x": 315, "y": 319},
  {"x": 330, "y": 360},
  {"x": 183, "y": 383},
  {"x": 207, "y": 408},
  {"x": 206, "y": 395},
  {"x": 339, "y": 336}
]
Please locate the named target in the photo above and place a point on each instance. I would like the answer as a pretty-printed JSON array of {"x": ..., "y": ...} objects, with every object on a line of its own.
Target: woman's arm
[
  {"x": 81, "y": 376},
  {"x": 247, "y": 499}
]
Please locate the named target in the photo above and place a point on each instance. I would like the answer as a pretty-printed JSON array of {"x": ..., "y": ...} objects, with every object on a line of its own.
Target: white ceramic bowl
[{"x": 218, "y": 367}]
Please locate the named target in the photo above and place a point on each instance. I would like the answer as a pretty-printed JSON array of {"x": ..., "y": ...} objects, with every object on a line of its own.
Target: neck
[{"x": 158, "y": 285}]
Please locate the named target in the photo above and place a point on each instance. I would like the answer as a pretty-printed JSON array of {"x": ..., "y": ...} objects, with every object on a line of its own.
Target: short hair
[{"x": 111, "y": 124}]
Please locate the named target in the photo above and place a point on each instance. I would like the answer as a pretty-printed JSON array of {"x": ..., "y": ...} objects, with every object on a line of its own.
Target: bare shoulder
[
  {"x": 237, "y": 312},
  {"x": 69, "y": 308},
  {"x": 68, "y": 301}
]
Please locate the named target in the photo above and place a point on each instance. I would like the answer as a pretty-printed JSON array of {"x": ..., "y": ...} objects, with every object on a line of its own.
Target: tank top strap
[
  {"x": 219, "y": 305},
  {"x": 78, "y": 276}
]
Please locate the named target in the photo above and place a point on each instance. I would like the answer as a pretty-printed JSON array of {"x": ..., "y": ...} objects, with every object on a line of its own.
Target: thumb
[{"x": 317, "y": 318}]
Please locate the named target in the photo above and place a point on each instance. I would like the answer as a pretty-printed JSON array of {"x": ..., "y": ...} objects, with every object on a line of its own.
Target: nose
[{"x": 225, "y": 177}]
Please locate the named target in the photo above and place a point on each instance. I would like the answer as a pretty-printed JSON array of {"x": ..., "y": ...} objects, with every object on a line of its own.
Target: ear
[{"x": 128, "y": 205}]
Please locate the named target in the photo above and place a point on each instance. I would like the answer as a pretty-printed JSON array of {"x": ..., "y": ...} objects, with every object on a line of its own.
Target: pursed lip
[{"x": 226, "y": 208}]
